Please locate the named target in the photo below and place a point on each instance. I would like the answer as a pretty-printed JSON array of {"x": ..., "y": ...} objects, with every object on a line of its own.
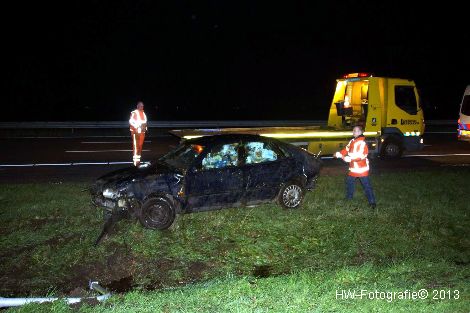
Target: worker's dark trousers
[{"x": 365, "y": 181}]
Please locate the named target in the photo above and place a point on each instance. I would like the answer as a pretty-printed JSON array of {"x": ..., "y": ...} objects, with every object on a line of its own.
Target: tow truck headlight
[{"x": 109, "y": 193}]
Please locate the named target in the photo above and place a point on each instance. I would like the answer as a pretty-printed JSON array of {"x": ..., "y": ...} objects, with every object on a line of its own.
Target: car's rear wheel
[
  {"x": 291, "y": 195},
  {"x": 157, "y": 213}
]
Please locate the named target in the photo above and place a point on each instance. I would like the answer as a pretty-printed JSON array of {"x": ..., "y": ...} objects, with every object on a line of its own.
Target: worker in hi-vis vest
[
  {"x": 355, "y": 153},
  {"x": 138, "y": 127}
]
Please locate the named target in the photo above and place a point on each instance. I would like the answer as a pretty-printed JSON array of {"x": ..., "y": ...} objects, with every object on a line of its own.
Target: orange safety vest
[
  {"x": 357, "y": 150},
  {"x": 137, "y": 119}
]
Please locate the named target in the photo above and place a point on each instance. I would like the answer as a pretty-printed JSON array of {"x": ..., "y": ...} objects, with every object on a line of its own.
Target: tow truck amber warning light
[{"x": 353, "y": 75}]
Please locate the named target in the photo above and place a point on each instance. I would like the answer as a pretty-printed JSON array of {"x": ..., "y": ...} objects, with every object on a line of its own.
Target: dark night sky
[{"x": 92, "y": 60}]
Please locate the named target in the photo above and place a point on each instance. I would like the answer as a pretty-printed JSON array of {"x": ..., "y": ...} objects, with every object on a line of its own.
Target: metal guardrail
[
  {"x": 156, "y": 124},
  {"x": 177, "y": 124}
]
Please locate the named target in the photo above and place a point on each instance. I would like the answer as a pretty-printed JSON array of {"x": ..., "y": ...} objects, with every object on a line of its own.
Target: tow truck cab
[{"x": 388, "y": 109}]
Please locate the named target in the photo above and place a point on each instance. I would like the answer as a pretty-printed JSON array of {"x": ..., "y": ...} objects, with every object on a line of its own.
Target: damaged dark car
[{"x": 207, "y": 173}]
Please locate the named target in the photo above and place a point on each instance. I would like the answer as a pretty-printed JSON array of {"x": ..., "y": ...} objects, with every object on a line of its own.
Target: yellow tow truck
[{"x": 388, "y": 109}]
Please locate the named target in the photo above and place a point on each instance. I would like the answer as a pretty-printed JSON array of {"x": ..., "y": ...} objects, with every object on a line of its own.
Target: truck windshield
[
  {"x": 465, "y": 110},
  {"x": 405, "y": 99}
]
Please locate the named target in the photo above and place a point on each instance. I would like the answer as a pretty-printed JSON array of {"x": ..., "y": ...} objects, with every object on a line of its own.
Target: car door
[
  {"x": 216, "y": 181},
  {"x": 265, "y": 168}
]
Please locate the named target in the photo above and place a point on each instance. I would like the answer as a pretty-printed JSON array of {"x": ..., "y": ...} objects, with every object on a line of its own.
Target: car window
[
  {"x": 183, "y": 156},
  {"x": 259, "y": 152},
  {"x": 221, "y": 156}
]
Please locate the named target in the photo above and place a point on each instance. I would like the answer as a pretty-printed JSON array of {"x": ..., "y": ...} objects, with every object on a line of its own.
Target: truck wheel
[
  {"x": 391, "y": 149},
  {"x": 157, "y": 213},
  {"x": 291, "y": 195}
]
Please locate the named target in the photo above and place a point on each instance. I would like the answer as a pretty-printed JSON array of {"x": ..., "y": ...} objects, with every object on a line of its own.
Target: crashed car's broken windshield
[{"x": 183, "y": 156}]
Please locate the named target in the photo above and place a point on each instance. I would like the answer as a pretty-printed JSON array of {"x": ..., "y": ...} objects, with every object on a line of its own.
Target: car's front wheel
[
  {"x": 157, "y": 213},
  {"x": 291, "y": 195}
]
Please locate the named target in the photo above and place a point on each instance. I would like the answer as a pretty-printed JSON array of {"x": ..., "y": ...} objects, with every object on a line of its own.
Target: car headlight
[
  {"x": 122, "y": 203},
  {"x": 109, "y": 193}
]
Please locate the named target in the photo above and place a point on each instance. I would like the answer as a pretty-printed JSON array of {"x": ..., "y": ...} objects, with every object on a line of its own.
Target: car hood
[{"x": 129, "y": 174}]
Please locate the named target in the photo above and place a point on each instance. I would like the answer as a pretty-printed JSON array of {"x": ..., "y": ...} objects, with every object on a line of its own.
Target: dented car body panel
[{"x": 210, "y": 173}]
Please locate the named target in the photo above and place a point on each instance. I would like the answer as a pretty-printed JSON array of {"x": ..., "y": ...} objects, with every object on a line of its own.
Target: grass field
[{"x": 249, "y": 259}]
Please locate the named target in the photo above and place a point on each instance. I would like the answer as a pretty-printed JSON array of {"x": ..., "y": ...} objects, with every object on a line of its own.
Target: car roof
[{"x": 215, "y": 139}]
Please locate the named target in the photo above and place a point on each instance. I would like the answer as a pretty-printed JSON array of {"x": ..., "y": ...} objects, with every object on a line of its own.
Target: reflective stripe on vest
[
  {"x": 137, "y": 118},
  {"x": 357, "y": 151},
  {"x": 359, "y": 169}
]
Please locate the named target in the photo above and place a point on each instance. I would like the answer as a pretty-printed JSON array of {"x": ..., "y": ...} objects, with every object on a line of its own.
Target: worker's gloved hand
[
  {"x": 338, "y": 155},
  {"x": 347, "y": 159}
]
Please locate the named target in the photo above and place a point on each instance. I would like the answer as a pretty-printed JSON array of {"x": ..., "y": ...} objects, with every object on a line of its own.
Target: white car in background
[{"x": 464, "y": 118}]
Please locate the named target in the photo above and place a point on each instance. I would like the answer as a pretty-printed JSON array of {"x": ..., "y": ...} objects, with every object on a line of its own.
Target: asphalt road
[{"x": 57, "y": 160}]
